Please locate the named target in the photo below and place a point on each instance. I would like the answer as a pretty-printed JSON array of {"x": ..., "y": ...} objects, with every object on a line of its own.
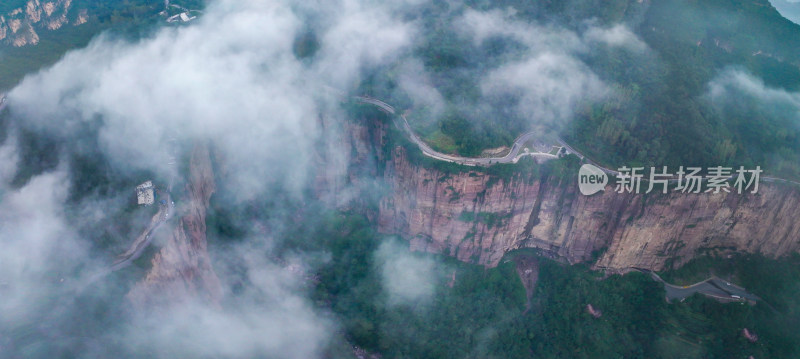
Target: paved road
[
  {"x": 138, "y": 246},
  {"x": 779, "y": 180},
  {"x": 615, "y": 173},
  {"x": 712, "y": 287},
  {"x": 512, "y": 157},
  {"x": 165, "y": 210}
]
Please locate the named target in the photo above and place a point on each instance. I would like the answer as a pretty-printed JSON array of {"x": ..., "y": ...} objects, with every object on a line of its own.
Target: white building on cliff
[{"x": 145, "y": 193}]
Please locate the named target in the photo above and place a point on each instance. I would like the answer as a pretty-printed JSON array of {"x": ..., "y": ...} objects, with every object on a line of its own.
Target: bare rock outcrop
[
  {"x": 182, "y": 268},
  {"x": 750, "y": 336},
  {"x": 479, "y": 218},
  {"x": 596, "y": 313},
  {"x": 21, "y": 26}
]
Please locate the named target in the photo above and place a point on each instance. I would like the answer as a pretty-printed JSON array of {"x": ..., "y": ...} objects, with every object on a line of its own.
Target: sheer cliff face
[
  {"x": 182, "y": 268},
  {"x": 19, "y": 27},
  {"x": 479, "y": 219}
]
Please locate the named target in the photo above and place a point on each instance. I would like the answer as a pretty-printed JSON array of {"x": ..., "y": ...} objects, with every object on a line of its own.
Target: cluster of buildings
[
  {"x": 145, "y": 193},
  {"x": 184, "y": 16}
]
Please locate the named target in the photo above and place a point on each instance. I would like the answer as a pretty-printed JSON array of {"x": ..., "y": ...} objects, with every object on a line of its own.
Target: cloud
[
  {"x": 481, "y": 26},
  {"x": 734, "y": 87},
  {"x": 548, "y": 86},
  {"x": 549, "y": 79},
  {"x": 740, "y": 80},
  {"x": 766, "y": 120},
  {"x": 618, "y": 35},
  {"x": 40, "y": 250},
  {"x": 414, "y": 81},
  {"x": 270, "y": 317},
  {"x": 407, "y": 278},
  {"x": 364, "y": 35},
  {"x": 229, "y": 78}
]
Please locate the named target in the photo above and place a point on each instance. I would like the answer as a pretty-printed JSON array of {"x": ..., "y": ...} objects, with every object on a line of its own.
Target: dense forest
[
  {"x": 662, "y": 111},
  {"x": 483, "y": 313},
  {"x": 477, "y": 312},
  {"x": 130, "y": 19},
  {"x": 687, "y": 99}
]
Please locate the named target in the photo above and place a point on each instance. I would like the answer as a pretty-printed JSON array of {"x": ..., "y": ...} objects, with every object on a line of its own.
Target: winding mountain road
[
  {"x": 165, "y": 210},
  {"x": 136, "y": 249},
  {"x": 514, "y": 155},
  {"x": 713, "y": 287}
]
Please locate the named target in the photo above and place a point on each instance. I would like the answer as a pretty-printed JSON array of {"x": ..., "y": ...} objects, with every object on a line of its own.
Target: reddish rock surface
[
  {"x": 749, "y": 335},
  {"x": 182, "y": 268},
  {"x": 616, "y": 231},
  {"x": 594, "y": 312},
  {"x": 21, "y": 26}
]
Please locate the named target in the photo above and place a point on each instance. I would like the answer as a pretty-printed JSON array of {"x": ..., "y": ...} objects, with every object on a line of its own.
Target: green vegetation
[
  {"x": 365, "y": 114},
  {"x": 441, "y": 142},
  {"x": 452, "y": 324},
  {"x": 676, "y": 122},
  {"x": 774, "y": 281},
  {"x": 484, "y": 314},
  {"x": 9, "y": 5},
  {"x": 490, "y": 219},
  {"x": 455, "y": 62},
  {"x": 38, "y": 153},
  {"x": 526, "y": 169},
  {"x": 306, "y": 45},
  {"x": 661, "y": 111},
  {"x": 131, "y": 19}
]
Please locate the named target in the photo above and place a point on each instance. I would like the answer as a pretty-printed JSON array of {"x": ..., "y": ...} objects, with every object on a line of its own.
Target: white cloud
[
  {"x": 230, "y": 78},
  {"x": 414, "y": 81},
  {"x": 363, "y": 35},
  {"x": 483, "y": 25},
  {"x": 733, "y": 79},
  {"x": 737, "y": 89},
  {"x": 270, "y": 318},
  {"x": 39, "y": 247},
  {"x": 549, "y": 80},
  {"x": 549, "y": 85},
  {"x": 408, "y": 278},
  {"x": 618, "y": 35}
]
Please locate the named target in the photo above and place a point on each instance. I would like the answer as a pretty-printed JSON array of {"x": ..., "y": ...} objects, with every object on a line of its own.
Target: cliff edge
[
  {"x": 182, "y": 267},
  {"x": 479, "y": 218}
]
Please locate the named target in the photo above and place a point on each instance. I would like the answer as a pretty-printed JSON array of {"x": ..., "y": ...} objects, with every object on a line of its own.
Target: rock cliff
[
  {"x": 478, "y": 218},
  {"x": 20, "y": 26},
  {"x": 182, "y": 268}
]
